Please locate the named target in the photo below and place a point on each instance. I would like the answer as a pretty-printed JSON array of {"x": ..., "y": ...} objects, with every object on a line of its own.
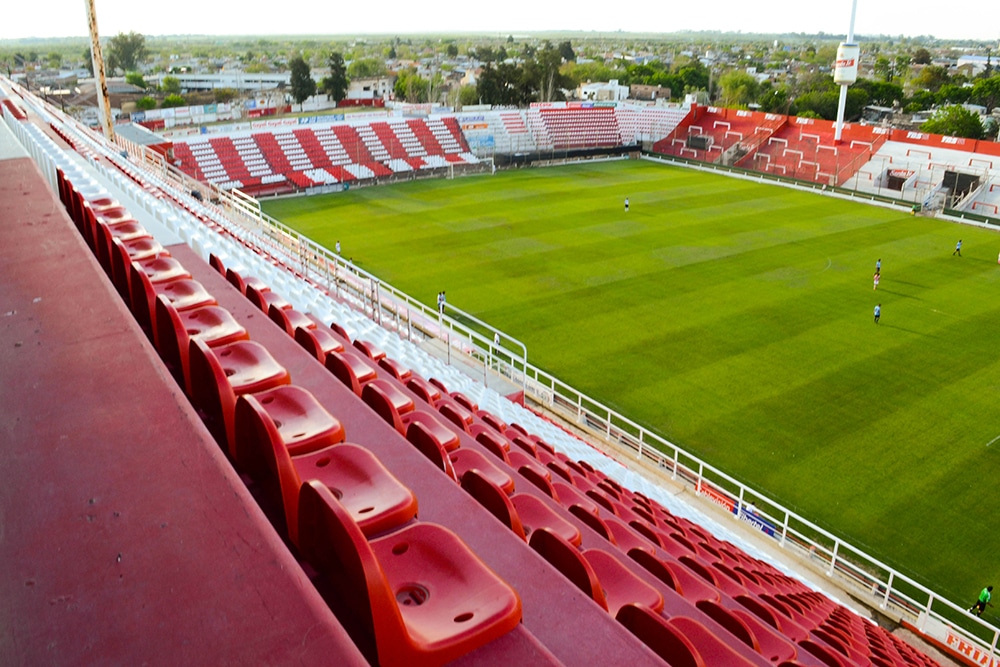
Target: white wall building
[{"x": 602, "y": 92}]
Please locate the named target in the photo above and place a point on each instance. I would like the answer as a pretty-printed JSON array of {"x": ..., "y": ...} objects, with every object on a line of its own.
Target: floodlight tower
[{"x": 846, "y": 70}]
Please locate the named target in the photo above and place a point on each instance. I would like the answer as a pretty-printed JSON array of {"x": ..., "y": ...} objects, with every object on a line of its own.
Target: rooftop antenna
[
  {"x": 103, "y": 103},
  {"x": 846, "y": 71}
]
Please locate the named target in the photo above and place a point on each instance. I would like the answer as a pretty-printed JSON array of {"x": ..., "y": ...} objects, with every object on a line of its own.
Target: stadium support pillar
[
  {"x": 841, "y": 106},
  {"x": 103, "y": 103}
]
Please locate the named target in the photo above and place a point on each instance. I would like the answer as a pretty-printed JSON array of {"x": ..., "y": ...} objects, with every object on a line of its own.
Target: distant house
[
  {"x": 639, "y": 91},
  {"x": 603, "y": 92},
  {"x": 376, "y": 88},
  {"x": 976, "y": 63}
]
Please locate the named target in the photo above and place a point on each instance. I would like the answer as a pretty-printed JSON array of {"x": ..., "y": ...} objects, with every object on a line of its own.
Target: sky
[{"x": 67, "y": 18}]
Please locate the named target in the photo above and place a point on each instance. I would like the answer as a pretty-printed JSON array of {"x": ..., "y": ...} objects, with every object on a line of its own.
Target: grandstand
[
  {"x": 268, "y": 162},
  {"x": 301, "y": 421},
  {"x": 906, "y": 166}
]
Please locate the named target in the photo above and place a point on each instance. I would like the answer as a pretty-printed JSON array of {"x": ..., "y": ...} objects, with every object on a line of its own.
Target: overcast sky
[{"x": 67, "y": 18}]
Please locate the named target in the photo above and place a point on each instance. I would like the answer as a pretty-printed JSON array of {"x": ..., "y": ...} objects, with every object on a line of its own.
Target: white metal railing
[{"x": 886, "y": 587}]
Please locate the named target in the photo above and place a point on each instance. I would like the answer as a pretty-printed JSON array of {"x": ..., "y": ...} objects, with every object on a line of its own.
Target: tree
[
  {"x": 694, "y": 75},
  {"x": 88, "y": 61},
  {"x": 882, "y": 93},
  {"x": 952, "y": 94},
  {"x": 775, "y": 100},
  {"x": 173, "y": 101},
  {"x": 954, "y": 121},
  {"x": 302, "y": 84},
  {"x": 542, "y": 74},
  {"x": 468, "y": 95},
  {"x": 566, "y": 51},
  {"x": 931, "y": 78},
  {"x": 145, "y": 103},
  {"x": 901, "y": 66},
  {"x": 125, "y": 52},
  {"x": 883, "y": 68},
  {"x": 452, "y": 51},
  {"x": 824, "y": 104},
  {"x": 366, "y": 68},
  {"x": 987, "y": 92},
  {"x": 335, "y": 85},
  {"x": 54, "y": 59},
  {"x": 738, "y": 88},
  {"x": 920, "y": 100},
  {"x": 503, "y": 85},
  {"x": 921, "y": 57},
  {"x": 411, "y": 87},
  {"x": 225, "y": 95},
  {"x": 135, "y": 78},
  {"x": 171, "y": 85}
]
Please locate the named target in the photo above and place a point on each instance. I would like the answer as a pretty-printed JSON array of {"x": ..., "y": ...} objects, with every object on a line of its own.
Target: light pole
[{"x": 846, "y": 71}]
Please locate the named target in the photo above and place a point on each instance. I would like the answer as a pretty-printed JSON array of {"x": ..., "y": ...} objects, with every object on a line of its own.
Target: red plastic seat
[
  {"x": 465, "y": 459},
  {"x": 568, "y": 496},
  {"x": 263, "y": 298},
  {"x": 621, "y": 585},
  {"x": 493, "y": 498},
  {"x": 563, "y": 556},
  {"x": 826, "y": 654},
  {"x": 395, "y": 369},
  {"x": 125, "y": 230},
  {"x": 664, "y": 640},
  {"x": 536, "y": 513},
  {"x": 424, "y": 389},
  {"x": 240, "y": 282},
  {"x": 301, "y": 422},
  {"x": 465, "y": 402},
  {"x": 440, "y": 385},
  {"x": 420, "y": 593},
  {"x": 289, "y": 319},
  {"x": 163, "y": 269},
  {"x": 593, "y": 521},
  {"x": 626, "y": 537},
  {"x": 455, "y": 413},
  {"x": 433, "y": 428},
  {"x": 525, "y": 444},
  {"x": 494, "y": 442},
  {"x": 690, "y": 586},
  {"x": 370, "y": 350},
  {"x": 492, "y": 421},
  {"x": 174, "y": 330},
  {"x": 318, "y": 341},
  {"x": 340, "y": 331},
  {"x": 766, "y": 640},
  {"x": 350, "y": 369},
  {"x": 389, "y": 402},
  {"x": 182, "y": 293},
  {"x": 216, "y": 263},
  {"x": 562, "y": 472},
  {"x": 419, "y": 435},
  {"x": 185, "y": 294},
  {"x": 221, "y": 374},
  {"x": 376, "y": 500}
]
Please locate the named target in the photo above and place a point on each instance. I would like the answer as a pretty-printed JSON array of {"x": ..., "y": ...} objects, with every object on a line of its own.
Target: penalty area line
[{"x": 992, "y": 441}]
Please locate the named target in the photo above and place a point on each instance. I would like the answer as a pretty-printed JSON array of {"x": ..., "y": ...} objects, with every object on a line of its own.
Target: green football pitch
[{"x": 736, "y": 319}]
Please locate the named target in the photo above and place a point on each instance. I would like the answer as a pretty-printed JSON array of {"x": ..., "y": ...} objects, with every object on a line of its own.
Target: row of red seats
[
  {"x": 747, "y": 581},
  {"x": 402, "y": 399},
  {"x": 356, "y": 523}
]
